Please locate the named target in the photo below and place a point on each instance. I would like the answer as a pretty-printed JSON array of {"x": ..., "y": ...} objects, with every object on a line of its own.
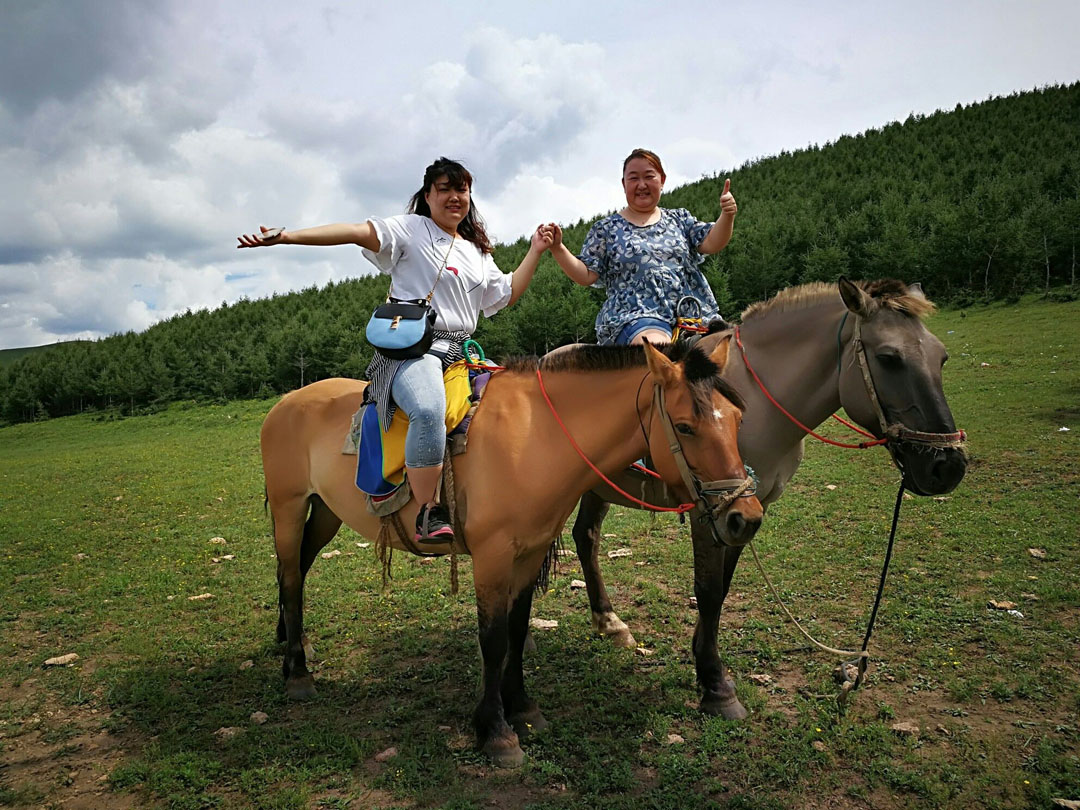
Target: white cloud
[{"x": 135, "y": 146}]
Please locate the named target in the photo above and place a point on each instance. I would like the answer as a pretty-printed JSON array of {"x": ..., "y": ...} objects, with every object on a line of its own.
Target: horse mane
[
  {"x": 887, "y": 292},
  {"x": 702, "y": 374}
]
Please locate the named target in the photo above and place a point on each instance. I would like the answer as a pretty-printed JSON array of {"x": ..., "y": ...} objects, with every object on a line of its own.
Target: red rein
[
  {"x": 686, "y": 507},
  {"x": 783, "y": 410}
]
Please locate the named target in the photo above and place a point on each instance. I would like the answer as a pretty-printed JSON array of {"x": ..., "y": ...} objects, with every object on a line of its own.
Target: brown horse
[
  {"x": 516, "y": 486},
  {"x": 804, "y": 345}
]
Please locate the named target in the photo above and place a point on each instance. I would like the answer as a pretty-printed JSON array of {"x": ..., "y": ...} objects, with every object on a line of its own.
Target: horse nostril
[
  {"x": 740, "y": 527},
  {"x": 736, "y": 524},
  {"x": 947, "y": 471}
]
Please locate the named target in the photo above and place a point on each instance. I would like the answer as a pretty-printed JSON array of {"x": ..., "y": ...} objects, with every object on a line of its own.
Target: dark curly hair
[{"x": 471, "y": 228}]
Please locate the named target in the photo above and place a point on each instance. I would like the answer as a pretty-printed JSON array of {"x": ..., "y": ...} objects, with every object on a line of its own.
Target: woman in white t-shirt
[{"x": 441, "y": 227}]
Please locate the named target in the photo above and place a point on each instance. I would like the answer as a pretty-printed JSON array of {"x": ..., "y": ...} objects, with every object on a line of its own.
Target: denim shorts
[{"x": 636, "y": 327}]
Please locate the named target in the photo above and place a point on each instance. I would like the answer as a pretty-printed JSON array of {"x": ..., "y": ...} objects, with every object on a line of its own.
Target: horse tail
[
  {"x": 548, "y": 568},
  {"x": 266, "y": 507}
]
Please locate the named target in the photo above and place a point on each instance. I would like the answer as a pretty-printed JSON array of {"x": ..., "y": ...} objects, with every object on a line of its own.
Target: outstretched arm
[
  {"x": 574, "y": 267},
  {"x": 359, "y": 233},
  {"x": 720, "y": 235},
  {"x": 523, "y": 276}
]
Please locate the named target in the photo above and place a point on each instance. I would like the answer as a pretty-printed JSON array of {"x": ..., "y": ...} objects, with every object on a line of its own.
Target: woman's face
[
  {"x": 643, "y": 185},
  {"x": 448, "y": 205}
]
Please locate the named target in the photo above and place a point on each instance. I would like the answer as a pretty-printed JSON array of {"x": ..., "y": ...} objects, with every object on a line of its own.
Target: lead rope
[
  {"x": 842, "y": 697},
  {"x": 860, "y": 657}
]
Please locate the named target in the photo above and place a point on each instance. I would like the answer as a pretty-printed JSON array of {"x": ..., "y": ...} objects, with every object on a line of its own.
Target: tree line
[{"x": 979, "y": 203}]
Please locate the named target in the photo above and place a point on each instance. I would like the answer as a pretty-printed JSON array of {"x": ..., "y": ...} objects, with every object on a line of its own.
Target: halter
[
  {"x": 891, "y": 435},
  {"x": 895, "y": 433},
  {"x": 723, "y": 492}
]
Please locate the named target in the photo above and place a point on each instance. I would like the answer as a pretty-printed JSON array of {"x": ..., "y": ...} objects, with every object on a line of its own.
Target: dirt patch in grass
[{"x": 61, "y": 754}]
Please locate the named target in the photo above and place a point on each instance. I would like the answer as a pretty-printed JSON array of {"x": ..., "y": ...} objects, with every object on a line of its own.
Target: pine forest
[{"x": 979, "y": 204}]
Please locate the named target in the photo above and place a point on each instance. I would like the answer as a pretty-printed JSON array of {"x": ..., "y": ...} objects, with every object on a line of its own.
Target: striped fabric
[{"x": 382, "y": 370}]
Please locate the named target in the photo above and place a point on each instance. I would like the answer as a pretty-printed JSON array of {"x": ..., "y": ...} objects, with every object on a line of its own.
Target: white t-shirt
[{"x": 411, "y": 251}]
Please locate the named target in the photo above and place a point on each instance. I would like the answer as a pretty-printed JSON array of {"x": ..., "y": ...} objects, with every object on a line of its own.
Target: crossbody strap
[{"x": 446, "y": 259}]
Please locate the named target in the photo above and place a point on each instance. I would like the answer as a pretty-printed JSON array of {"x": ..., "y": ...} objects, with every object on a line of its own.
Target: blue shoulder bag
[{"x": 403, "y": 329}]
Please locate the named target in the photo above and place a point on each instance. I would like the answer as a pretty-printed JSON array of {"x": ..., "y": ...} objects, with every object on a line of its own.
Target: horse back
[{"x": 303, "y": 433}]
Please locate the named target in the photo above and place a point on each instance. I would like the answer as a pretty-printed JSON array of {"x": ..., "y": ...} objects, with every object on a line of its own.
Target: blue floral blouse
[{"x": 646, "y": 270}]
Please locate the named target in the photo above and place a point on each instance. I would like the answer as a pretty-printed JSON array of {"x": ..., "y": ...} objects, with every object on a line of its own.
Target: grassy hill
[
  {"x": 11, "y": 356},
  {"x": 979, "y": 203}
]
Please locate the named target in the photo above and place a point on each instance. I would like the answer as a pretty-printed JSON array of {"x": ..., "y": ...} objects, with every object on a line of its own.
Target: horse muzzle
[
  {"x": 734, "y": 514},
  {"x": 931, "y": 471}
]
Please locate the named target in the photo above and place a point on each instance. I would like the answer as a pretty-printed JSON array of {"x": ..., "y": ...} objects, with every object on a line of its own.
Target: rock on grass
[{"x": 62, "y": 660}]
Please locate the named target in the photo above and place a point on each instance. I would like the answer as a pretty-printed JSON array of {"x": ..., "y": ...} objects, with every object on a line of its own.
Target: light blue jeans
[{"x": 418, "y": 390}]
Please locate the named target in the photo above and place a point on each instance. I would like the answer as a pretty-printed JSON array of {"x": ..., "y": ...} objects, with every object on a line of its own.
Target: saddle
[{"x": 380, "y": 467}]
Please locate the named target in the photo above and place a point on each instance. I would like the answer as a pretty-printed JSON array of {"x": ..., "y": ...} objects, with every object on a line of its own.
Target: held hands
[
  {"x": 266, "y": 236},
  {"x": 554, "y": 233},
  {"x": 727, "y": 200},
  {"x": 542, "y": 238}
]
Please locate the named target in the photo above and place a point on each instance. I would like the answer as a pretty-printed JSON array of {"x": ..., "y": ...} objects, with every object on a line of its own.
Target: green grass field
[{"x": 105, "y": 533}]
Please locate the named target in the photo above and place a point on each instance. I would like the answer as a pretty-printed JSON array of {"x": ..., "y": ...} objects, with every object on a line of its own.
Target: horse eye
[
  {"x": 684, "y": 429},
  {"x": 890, "y": 361}
]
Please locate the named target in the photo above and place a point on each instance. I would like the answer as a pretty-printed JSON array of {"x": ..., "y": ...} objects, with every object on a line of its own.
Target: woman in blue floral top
[{"x": 646, "y": 257}]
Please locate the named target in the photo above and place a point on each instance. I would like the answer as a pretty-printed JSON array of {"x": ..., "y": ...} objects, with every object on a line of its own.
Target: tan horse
[
  {"x": 516, "y": 486},
  {"x": 803, "y": 346}
]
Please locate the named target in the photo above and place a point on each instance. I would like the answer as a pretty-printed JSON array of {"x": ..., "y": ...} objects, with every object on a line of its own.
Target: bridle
[
  {"x": 891, "y": 435},
  {"x": 710, "y": 498},
  {"x": 895, "y": 433}
]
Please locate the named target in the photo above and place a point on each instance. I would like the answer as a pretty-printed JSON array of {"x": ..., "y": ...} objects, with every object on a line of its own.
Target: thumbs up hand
[{"x": 727, "y": 200}]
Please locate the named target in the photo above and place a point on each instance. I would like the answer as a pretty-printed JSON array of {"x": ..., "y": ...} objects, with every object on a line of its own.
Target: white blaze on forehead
[{"x": 718, "y": 415}]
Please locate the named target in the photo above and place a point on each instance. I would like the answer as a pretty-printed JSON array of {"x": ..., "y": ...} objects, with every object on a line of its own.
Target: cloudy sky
[{"x": 139, "y": 137}]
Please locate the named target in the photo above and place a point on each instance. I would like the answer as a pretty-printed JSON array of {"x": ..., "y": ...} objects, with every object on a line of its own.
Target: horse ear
[
  {"x": 855, "y": 299},
  {"x": 659, "y": 365},
  {"x": 720, "y": 354},
  {"x": 915, "y": 290}
]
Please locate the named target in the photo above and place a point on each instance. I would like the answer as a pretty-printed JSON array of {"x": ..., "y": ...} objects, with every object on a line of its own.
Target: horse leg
[
  {"x": 494, "y": 736},
  {"x": 587, "y": 525},
  {"x": 522, "y": 712},
  {"x": 289, "y": 518},
  {"x": 714, "y": 567},
  {"x": 321, "y": 526}
]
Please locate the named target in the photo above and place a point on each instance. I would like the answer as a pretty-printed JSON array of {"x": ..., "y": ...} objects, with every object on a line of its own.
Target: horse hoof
[
  {"x": 504, "y": 753},
  {"x": 728, "y": 708},
  {"x": 625, "y": 639},
  {"x": 302, "y": 688},
  {"x": 611, "y": 626},
  {"x": 528, "y": 723}
]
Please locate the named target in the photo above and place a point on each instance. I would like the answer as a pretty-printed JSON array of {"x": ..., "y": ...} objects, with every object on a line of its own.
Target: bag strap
[{"x": 445, "y": 260}]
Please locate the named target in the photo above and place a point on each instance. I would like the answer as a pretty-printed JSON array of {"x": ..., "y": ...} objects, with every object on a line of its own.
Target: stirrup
[{"x": 443, "y": 531}]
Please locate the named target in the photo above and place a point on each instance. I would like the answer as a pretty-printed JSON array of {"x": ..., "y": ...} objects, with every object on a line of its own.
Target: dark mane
[
  {"x": 887, "y": 292},
  {"x": 702, "y": 374}
]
